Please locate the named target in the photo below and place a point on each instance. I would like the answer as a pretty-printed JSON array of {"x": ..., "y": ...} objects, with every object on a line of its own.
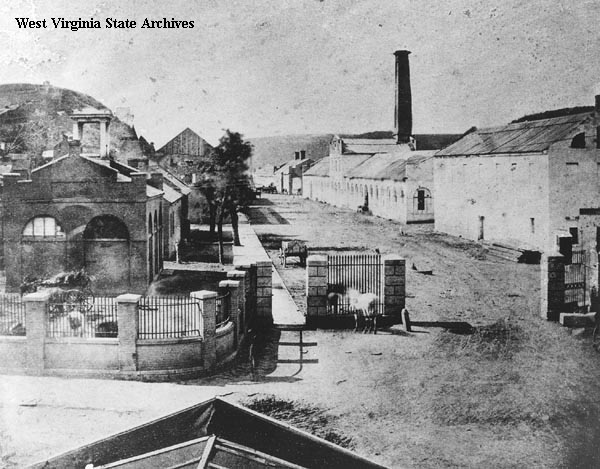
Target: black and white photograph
[{"x": 299, "y": 234}]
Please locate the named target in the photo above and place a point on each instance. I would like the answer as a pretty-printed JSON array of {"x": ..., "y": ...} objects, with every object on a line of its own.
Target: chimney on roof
[
  {"x": 296, "y": 155},
  {"x": 74, "y": 147},
  {"x": 403, "y": 111},
  {"x": 597, "y": 119},
  {"x": 156, "y": 181}
]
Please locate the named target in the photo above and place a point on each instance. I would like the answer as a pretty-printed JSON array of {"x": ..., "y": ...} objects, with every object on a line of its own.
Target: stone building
[
  {"x": 78, "y": 212},
  {"x": 521, "y": 184},
  {"x": 391, "y": 175},
  {"x": 288, "y": 177},
  {"x": 181, "y": 156}
]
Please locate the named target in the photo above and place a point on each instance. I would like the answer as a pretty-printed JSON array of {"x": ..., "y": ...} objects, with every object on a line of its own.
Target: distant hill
[
  {"x": 49, "y": 107},
  {"x": 275, "y": 151}
]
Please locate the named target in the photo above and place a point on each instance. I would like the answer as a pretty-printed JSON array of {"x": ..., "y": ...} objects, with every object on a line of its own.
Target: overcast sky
[{"x": 278, "y": 67}]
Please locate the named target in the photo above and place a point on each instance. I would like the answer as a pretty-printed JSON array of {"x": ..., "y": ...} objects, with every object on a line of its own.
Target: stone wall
[{"x": 125, "y": 356}]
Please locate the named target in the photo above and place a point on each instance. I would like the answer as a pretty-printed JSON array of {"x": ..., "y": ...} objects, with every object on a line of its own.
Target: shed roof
[
  {"x": 388, "y": 165},
  {"x": 222, "y": 434},
  {"x": 365, "y": 145},
  {"x": 319, "y": 169},
  {"x": 518, "y": 137}
]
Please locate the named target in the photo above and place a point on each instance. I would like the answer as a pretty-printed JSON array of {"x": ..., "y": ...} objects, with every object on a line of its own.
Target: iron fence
[
  {"x": 575, "y": 280},
  {"x": 222, "y": 310},
  {"x": 73, "y": 313},
  {"x": 12, "y": 314},
  {"x": 169, "y": 317},
  {"x": 359, "y": 272}
]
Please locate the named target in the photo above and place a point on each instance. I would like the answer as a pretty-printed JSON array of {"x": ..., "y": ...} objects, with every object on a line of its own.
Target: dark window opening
[
  {"x": 578, "y": 141},
  {"x": 574, "y": 235},
  {"x": 421, "y": 200}
]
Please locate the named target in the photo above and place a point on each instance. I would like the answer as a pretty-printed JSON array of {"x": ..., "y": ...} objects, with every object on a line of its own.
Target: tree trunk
[
  {"x": 234, "y": 224},
  {"x": 220, "y": 235},
  {"x": 212, "y": 217}
]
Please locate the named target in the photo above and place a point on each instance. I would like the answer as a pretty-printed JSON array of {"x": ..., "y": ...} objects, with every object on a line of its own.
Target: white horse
[{"x": 365, "y": 305}]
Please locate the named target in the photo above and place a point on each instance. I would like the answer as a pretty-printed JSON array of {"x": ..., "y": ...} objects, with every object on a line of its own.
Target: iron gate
[
  {"x": 575, "y": 280},
  {"x": 361, "y": 272}
]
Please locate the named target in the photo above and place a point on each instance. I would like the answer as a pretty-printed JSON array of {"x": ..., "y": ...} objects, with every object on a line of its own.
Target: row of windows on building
[{"x": 420, "y": 196}]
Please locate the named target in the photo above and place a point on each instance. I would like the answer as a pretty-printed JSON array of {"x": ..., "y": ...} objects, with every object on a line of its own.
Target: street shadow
[
  {"x": 265, "y": 215},
  {"x": 455, "y": 327},
  {"x": 256, "y": 358},
  {"x": 271, "y": 241}
]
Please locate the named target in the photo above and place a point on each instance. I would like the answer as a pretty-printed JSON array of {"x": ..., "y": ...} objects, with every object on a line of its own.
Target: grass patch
[
  {"x": 299, "y": 414},
  {"x": 498, "y": 341}
]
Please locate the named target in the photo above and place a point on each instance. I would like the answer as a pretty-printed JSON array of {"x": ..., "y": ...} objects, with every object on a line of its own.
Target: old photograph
[{"x": 299, "y": 234}]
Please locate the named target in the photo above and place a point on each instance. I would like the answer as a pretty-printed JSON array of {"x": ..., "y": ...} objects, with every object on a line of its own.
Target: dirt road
[{"x": 516, "y": 393}]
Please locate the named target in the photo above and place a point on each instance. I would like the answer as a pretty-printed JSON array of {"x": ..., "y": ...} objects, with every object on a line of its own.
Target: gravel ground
[{"x": 517, "y": 392}]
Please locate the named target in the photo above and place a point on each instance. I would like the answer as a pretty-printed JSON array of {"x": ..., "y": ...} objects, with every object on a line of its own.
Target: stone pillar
[
  {"x": 233, "y": 288},
  {"x": 128, "y": 322},
  {"x": 394, "y": 293},
  {"x": 264, "y": 293},
  {"x": 35, "y": 326},
  {"x": 241, "y": 277},
  {"x": 316, "y": 289},
  {"x": 552, "y": 268},
  {"x": 208, "y": 302},
  {"x": 250, "y": 304},
  {"x": 103, "y": 139}
]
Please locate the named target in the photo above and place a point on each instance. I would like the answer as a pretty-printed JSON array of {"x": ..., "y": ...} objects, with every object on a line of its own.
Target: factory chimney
[{"x": 403, "y": 112}]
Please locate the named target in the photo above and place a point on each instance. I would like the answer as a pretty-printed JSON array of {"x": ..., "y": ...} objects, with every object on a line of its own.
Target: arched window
[
  {"x": 422, "y": 200},
  {"x": 149, "y": 223},
  {"x": 106, "y": 227},
  {"x": 43, "y": 227},
  {"x": 578, "y": 141}
]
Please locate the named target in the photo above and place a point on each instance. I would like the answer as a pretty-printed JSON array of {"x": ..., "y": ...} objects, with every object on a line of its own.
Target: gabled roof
[
  {"x": 519, "y": 137},
  {"x": 170, "y": 194},
  {"x": 185, "y": 142},
  {"x": 390, "y": 166},
  {"x": 232, "y": 429},
  {"x": 292, "y": 164},
  {"x": 319, "y": 169},
  {"x": 361, "y": 145}
]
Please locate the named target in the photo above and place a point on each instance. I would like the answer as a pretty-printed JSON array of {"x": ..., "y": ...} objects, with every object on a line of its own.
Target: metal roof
[
  {"x": 319, "y": 169},
  {"x": 522, "y": 137},
  {"x": 390, "y": 166}
]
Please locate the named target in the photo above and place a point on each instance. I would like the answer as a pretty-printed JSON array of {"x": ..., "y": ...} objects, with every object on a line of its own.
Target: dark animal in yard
[
  {"x": 364, "y": 305},
  {"x": 107, "y": 329},
  {"x": 17, "y": 329},
  {"x": 414, "y": 267}
]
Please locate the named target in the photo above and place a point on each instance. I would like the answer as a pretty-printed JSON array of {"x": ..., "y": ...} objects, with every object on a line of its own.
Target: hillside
[
  {"x": 275, "y": 151},
  {"x": 45, "y": 109}
]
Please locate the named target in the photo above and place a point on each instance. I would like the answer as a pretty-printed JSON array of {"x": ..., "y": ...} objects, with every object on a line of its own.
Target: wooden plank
[
  {"x": 300, "y": 361},
  {"x": 299, "y": 344}
]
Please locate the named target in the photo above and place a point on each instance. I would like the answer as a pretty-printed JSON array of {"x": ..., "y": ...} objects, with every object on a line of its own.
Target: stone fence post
[
  {"x": 208, "y": 303},
  {"x": 394, "y": 294},
  {"x": 264, "y": 293},
  {"x": 243, "y": 279},
  {"x": 128, "y": 325},
  {"x": 233, "y": 288},
  {"x": 35, "y": 326},
  {"x": 316, "y": 289},
  {"x": 552, "y": 290}
]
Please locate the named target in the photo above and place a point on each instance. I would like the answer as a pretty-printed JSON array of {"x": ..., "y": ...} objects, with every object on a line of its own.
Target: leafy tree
[{"x": 225, "y": 183}]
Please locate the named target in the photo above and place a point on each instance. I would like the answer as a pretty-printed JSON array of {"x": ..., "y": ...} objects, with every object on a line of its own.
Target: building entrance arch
[{"x": 106, "y": 253}]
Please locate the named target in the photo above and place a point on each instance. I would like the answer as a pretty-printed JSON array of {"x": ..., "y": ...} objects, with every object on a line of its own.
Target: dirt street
[
  {"x": 495, "y": 387},
  {"x": 518, "y": 392}
]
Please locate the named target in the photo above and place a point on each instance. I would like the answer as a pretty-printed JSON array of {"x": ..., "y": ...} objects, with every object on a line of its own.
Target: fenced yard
[
  {"x": 169, "y": 317},
  {"x": 360, "y": 272},
  {"x": 12, "y": 315}
]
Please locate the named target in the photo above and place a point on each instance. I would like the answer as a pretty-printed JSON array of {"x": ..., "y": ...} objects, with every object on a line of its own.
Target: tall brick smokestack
[{"x": 403, "y": 113}]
